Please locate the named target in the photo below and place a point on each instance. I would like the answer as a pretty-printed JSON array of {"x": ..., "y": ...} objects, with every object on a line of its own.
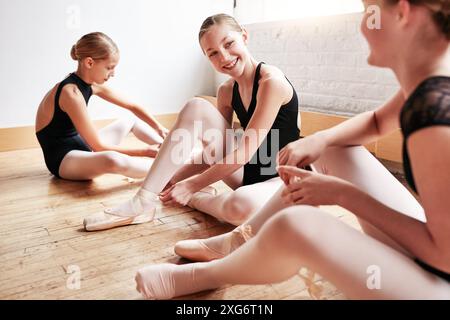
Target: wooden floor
[{"x": 42, "y": 236}]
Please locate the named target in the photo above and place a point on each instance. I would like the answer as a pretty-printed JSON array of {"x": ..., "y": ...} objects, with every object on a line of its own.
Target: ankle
[
  {"x": 205, "y": 277},
  {"x": 207, "y": 192},
  {"x": 147, "y": 195},
  {"x": 242, "y": 233}
]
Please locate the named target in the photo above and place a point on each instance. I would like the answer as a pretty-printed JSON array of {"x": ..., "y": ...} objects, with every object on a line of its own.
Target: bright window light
[{"x": 252, "y": 11}]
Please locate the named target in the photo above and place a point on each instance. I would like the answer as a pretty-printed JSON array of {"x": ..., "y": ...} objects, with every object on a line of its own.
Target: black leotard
[
  {"x": 428, "y": 105},
  {"x": 285, "y": 125},
  {"x": 60, "y": 136}
]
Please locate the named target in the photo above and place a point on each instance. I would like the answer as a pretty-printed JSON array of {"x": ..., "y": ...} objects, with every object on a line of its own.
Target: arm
[
  {"x": 428, "y": 241},
  {"x": 111, "y": 96},
  {"x": 273, "y": 91},
  {"x": 361, "y": 129},
  {"x": 72, "y": 102},
  {"x": 366, "y": 127}
]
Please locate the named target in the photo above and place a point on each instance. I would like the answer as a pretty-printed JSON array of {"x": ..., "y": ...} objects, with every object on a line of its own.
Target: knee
[
  {"x": 237, "y": 208},
  {"x": 334, "y": 160},
  {"x": 196, "y": 108},
  {"x": 298, "y": 226},
  {"x": 129, "y": 121},
  {"x": 114, "y": 162}
]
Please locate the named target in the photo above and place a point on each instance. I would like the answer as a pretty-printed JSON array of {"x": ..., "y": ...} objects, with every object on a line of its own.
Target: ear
[
  {"x": 245, "y": 36},
  {"x": 403, "y": 11},
  {"x": 88, "y": 62},
  {"x": 200, "y": 42}
]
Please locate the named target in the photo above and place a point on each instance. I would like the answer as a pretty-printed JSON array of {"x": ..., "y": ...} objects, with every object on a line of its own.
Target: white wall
[
  {"x": 251, "y": 11},
  {"x": 326, "y": 60},
  {"x": 161, "y": 63}
]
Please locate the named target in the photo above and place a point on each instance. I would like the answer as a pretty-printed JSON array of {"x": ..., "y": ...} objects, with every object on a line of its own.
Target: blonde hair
[
  {"x": 96, "y": 45},
  {"x": 440, "y": 11},
  {"x": 218, "y": 19}
]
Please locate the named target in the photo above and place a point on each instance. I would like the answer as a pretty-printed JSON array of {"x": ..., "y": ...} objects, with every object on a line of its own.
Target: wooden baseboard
[
  {"x": 18, "y": 138},
  {"x": 388, "y": 148}
]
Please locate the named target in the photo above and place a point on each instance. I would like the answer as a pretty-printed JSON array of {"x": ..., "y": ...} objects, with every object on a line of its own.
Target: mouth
[{"x": 229, "y": 66}]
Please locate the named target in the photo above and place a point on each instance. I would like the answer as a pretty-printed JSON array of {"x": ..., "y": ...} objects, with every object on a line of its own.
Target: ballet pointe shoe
[
  {"x": 199, "y": 250},
  {"x": 134, "y": 211},
  {"x": 104, "y": 221},
  {"x": 155, "y": 282},
  {"x": 166, "y": 281}
]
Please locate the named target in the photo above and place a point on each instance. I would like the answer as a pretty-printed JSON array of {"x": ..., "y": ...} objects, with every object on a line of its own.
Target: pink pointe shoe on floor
[
  {"x": 215, "y": 247},
  {"x": 140, "y": 209}
]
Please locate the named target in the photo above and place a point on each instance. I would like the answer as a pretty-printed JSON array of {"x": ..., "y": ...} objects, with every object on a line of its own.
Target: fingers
[
  {"x": 167, "y": 187},
  {"x": 286, "y": 197},
  {"x": 285, "y": 178},
  {"x": 293, "y": 171},
  {"x": 166, "y": 195},
  {"x": 166, "y": 190},
  {"x": 297, "y": 196},
  {"x": 173, "y": 203},
  {"x": 152, "y": 151},
  {"x": 167, "y": 202},
  {"x": 293, "y": 187},
  {"x": 281, "y": 155}
]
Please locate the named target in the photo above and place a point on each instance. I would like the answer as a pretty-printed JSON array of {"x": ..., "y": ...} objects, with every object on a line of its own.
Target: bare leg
[{"x": 296, "y": 237}]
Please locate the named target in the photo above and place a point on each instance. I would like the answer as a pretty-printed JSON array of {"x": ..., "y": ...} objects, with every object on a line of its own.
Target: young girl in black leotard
[
  {"x": 73, "y": 148},
  {"x": 267, "y": 107}
]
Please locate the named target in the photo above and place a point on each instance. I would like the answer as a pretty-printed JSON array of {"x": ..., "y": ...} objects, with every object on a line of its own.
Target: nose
[
  {"x": 112, "y": 73},
  {"x": 224, "y": 56}
]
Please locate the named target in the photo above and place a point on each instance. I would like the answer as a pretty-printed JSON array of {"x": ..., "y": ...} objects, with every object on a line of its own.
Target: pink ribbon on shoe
[{"x": 314, "y": 290}]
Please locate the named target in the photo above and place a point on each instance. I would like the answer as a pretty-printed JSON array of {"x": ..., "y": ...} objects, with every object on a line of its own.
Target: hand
[
  {"x": 311, "y": 188},
  {"x": 168, "y": 185},
  {"x": 180, "y": 193},
  {"x": 151, "y": 151},
  {"x": 302, "y": 152},
  {"x": 162, "y": 131}
]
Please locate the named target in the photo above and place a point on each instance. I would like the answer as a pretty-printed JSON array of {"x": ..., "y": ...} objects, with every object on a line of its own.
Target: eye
[
  {"x": 229, "y": 44},
  {"x": 213, "y": 53}
]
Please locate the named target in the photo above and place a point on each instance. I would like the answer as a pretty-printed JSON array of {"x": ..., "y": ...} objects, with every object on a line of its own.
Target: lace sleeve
[{"x": 429, "y": 105}]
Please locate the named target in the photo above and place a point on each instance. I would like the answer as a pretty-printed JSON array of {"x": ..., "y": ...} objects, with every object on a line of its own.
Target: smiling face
[
  {"x": 383, "y": 42},
  {"x": 226, "y": 49},
  {"x": 101, "y": 70}
]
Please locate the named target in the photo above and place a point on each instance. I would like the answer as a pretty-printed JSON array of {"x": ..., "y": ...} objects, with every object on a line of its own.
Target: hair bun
[
  {"x": 445, "y": 7},
  {"x": 73, "y": 53},
  {"x": 446, "y": 26},
  {"x": 443, "y": 22}
]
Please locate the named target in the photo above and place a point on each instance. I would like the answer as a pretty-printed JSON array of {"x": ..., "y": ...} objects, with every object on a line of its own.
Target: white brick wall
[{"x": 325, "y": 59}]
